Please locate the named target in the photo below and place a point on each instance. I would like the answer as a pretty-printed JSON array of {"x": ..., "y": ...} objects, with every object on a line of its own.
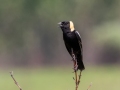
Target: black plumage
[{"x": 73, "y": 43}]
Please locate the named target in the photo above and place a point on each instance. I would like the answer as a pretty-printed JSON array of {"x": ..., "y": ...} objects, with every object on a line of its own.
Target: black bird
[{"x": 73, "y": 43}]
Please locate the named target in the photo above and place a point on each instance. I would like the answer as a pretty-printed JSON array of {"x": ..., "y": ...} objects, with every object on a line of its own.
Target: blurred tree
[{"x": 28, "y": 28}]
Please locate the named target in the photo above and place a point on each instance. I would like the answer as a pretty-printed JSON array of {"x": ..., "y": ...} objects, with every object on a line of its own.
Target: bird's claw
[
  {"x": 73, "y": 57},
  {"x": 75, "y": 68}
]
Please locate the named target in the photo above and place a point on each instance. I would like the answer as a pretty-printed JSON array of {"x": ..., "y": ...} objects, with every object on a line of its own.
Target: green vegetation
[
  {"x": 103, "y": 78},
  {"x": 29, "y": 31},
  {"x": 106, "y": 33}
]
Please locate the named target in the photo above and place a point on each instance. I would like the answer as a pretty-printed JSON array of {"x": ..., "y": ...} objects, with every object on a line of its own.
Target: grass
[{"x": 103, "y": 78}]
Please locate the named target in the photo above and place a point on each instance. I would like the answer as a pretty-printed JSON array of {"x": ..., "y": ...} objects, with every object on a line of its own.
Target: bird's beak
[{"x": 60, "y": 24}]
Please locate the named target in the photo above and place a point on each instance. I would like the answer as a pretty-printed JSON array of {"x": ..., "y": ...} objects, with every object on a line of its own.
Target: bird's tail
[{"x": 80, "y": 62}]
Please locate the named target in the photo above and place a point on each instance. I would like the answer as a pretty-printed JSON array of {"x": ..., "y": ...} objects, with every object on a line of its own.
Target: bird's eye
[{"x": 63, "y": 23}]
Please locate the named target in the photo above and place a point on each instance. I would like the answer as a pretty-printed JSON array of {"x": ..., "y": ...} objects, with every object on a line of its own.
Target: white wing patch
[
  {"x": 80, "y": 42},
  {"x": 78, "y": 34}
]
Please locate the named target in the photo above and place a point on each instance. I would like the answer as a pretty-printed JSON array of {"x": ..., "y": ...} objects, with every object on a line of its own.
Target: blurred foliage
[
  {"x": 29, "y": 34},
  {"x": 108, "y": 32},
  {"x": 107, "y": 37}
]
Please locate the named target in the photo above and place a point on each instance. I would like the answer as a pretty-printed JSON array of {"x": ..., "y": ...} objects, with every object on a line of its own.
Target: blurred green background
[{"x": 31, "y": 43}]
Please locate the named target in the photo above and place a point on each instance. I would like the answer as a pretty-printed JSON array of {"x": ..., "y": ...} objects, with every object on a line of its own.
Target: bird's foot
[
  {"x": 73, "y": 57},
  {"x": 75, "y": 68}
]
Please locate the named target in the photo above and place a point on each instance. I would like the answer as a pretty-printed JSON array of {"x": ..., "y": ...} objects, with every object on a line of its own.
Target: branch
[
  {"x": 79, "y": 78},
  {"x": 76, "y": 82},
  {"x": 75, "y": 71},
  {"x": 89, "y": 86},
  {"x": 11, "y": 73}
]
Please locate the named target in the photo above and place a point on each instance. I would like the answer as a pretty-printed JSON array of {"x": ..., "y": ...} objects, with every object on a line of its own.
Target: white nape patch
[{"x": 71, "y": 26}]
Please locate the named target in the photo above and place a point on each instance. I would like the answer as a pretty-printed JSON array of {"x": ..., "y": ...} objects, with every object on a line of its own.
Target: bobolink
[{"x": 73, "y": 43}]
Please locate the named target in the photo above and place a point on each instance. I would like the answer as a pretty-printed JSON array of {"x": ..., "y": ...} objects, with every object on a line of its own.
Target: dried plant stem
[
  {"x": 77, "y": 79},
  {"x": 76, "y": 75},
  {"x": 11, "y": 73},
  {"x": 75, "y": 71},
  {"x": 89, "y": 86}
]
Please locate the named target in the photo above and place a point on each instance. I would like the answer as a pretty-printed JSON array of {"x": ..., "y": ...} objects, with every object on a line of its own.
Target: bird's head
[{"x": 66, "y": 26}]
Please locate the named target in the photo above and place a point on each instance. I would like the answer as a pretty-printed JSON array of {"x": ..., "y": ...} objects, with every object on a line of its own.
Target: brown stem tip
[{"x": 11, "y": 73}]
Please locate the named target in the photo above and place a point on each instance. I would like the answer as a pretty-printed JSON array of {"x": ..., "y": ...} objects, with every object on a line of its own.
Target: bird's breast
[{"x": 71, "y": 39}]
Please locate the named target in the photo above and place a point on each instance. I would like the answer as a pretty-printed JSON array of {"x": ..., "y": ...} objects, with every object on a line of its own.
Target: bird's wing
[
  {"x": 80, "y": 41},
  {"x": 80, "y": 53},
  {"x": 68, "y": 48}
]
